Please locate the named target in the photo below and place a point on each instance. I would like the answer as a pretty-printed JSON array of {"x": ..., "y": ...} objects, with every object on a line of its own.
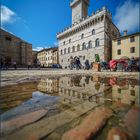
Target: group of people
[
  {"x": 6, "y": 65},
  {"x": 124, "y": 65},
  {"x": 75, "y": 63}
]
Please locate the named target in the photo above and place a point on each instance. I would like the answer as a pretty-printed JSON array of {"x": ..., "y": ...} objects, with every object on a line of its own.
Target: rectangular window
[
  {"x": 132, "y": 39},
  {"x": 83, "y": 57},
  {"x": 8, "y": 38},
  {"x": 119, "y": 52},
  {"x": 132, "y": 50},
  {"x": 118, "y": 42}
]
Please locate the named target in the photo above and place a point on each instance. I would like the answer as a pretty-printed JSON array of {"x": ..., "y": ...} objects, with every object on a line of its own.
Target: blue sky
[{"x": 38, "y": 21}]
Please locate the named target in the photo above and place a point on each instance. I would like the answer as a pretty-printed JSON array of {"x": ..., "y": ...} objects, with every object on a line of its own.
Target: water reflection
[
  {"x": 12, "y": 96},
  {"x": 64, "y": 99},
  {"x": 74, "y": 89},
  {"x": 48, "y": 86}
]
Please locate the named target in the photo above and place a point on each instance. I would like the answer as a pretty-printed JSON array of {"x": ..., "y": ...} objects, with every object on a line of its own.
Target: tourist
[
  {"x": 131, "y": 64},
  {"x": 87, "y": 66},
  {"x": 29, "y": 65},
  {"x": 38, "y": 64},
  {"x": 1, "y": 63},
  {"x": 15, "y": 65},
  {"x": 71, "y": 66},
  {"x": 78, "y": 63},
  {"x": 138, "y": 64}
]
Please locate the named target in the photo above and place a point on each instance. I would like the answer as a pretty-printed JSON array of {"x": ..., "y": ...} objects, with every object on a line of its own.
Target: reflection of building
[
  {"x": 80, "y": 88},
  {"x": 47, "y": 57},
  {"x": 12, "y": 96},
  {"x": 127, "y": 94},
  {"x": 13, "y": 48},
  {"x": 88, "y": 35},
  {"x": 126, "y": 46},
  {"x": 48, "y": 86}
]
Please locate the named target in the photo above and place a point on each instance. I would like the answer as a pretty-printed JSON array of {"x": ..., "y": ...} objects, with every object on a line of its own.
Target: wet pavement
[{"x": 71, "y": 107}]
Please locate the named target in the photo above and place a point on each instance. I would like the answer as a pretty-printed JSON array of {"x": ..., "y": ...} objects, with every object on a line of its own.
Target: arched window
[
  {"x": 82, "y": 36},
  {"x": 93, "y": 32},
  {"x": 78, "y": 47},
  {"x": 61, "y": 52},
  {"x": 84, "y": 46},
  {"x": 97, "y": 42},
  {"x": 73, "y": 49},
  {"x": 65, "y": 51},
  {"x": 90, "y": 44},
  {"x": 69, "y": 50}
]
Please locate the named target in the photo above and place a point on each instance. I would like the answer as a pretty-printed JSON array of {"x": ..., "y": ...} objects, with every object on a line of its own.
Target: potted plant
[{"x": 96, "y": 64}]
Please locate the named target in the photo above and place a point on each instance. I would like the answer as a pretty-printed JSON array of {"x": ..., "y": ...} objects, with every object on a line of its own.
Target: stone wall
[{"x": 13, "y": 48}]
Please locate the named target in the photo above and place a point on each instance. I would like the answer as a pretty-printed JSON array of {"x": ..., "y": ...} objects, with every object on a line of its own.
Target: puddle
[{"x": 67, "y": 101}]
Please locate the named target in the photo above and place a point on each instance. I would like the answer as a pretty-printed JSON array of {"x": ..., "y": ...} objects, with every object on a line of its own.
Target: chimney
[{"x": 125, "y": 32}]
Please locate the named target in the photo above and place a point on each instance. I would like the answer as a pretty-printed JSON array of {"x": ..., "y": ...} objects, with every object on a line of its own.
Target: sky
[{"x": 38, "y": 21}]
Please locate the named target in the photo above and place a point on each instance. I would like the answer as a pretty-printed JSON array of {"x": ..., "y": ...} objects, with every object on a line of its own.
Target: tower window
[
  {"x": 93, "y": 32},
  {"x": 65, "y": 51},
  {"x": 78, "y": 47},
  {"x": 97, "y": 42},
  {"x": 90, "y": 44},
  {"x": 73, "y": 49},
  {"x": 69, "y": 40},
  {"x": 84, "y": 46},
  {"x": 82, "y": 36},
  {"x": 69, "y": 50}
]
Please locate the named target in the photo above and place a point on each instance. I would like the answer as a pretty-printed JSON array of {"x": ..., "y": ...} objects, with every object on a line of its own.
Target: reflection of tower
[
  {"x": 79, "y": 10},
  {"x": 48, "y": 85}
]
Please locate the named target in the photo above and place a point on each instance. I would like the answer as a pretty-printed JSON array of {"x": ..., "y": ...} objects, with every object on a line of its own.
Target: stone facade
[
  {"x": 88, "y": 36},
  {"x": 126, "y": 46},
  {"x": 13, "y": 48},
  {"x": 47, "y": 57}
]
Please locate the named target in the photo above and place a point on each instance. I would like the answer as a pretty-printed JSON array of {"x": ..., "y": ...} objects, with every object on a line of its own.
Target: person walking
[
  {"x": 29, "y": 65},
  {"x": 78, "y": 64},
  {"x": 1, "y": 63},
  {"x": 87, "y": 66},
  {"x": 15, "y": 65},
  {"x": 38, "y": 64},
  {"x": 71, "y": 63}
]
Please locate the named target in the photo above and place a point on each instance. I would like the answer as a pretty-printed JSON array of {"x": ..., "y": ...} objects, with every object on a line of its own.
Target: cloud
[
  {"x": 127, "y": 16},
  {"x": 38, "y": 48},
  {"x": 55, "y": 44},
  {"x": 7, "y": 15}
]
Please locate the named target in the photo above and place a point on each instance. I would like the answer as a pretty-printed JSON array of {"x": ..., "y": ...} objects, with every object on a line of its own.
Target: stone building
[
  {"x": 126, "y": 46},
  {"x": 13, "y": 48},
  {"x": 88, "y": 35},
  {"x": 47, "y": 57}
]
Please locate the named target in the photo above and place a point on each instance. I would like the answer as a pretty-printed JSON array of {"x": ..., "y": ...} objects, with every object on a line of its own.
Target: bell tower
[{"x": 79, "y": 10}]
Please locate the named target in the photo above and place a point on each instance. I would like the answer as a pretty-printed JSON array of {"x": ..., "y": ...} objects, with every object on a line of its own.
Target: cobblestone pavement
[{"x": 9, "y": 77}]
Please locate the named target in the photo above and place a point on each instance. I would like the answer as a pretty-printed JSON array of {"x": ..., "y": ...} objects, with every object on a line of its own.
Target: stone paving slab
[{"x": 47, "y": 125}]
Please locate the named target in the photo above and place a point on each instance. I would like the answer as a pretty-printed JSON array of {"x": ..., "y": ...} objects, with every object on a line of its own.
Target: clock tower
[{"x": 79, "y": 10}]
